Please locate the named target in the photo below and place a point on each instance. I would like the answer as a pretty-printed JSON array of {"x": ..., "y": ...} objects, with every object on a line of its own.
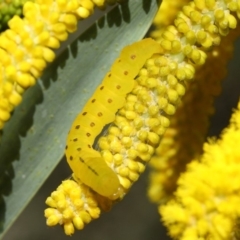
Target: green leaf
[{"x": 33, "y": 140}]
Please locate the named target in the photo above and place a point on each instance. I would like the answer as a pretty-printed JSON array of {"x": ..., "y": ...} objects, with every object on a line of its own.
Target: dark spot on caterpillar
[
  {"x": 77, "y": 127},
  {"x": 92, "y": 170},
  {"x": 125, "y": 72},
  {"x": 92, "y": 124},
  {"x": 101, "y": 88},
  {"x": 66, "y": 147},
  {"x": 109, "y": 75},
  {"x": 81, "y": 160},
  {"x": 71, "y": 158},
  {"x": 100, "y": 114},
  {"x": 118, "y": 86},
  {"x": 85, "y": 113},
  {"x": 88, "y": 135},
  {"x": 119, "y": 60},
  {"x": 79, "y": 149},
  {"x": 133, "y": 57},
  {"x": 109, "y": 100},
  {"x": 89, "y": 146},
  {"x": 89, "y": 167},
  {"x": 93, "y": 100},
  {"x": 75, "y": 139}
]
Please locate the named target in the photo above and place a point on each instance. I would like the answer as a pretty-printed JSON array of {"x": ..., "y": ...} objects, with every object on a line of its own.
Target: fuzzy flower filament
[{"x": 206, "y": 203}]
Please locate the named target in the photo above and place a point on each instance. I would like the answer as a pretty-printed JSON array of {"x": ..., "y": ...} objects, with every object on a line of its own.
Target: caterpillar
[{"x": 86, "y": 163}]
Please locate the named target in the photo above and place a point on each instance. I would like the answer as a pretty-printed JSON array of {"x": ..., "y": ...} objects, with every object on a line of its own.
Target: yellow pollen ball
[
  {"x": 83, "y": 12},
  {"x": 153, "y": 138},
  {"x": 133, "y": 176},
  {"x": 118, "y": 159},
  {"x": 78, "y": 223},
  {"x": 166, "y": 45},
  {"x": 125, "y": 182},
  {"x": 142, "y": 135},
  {"x": 153, "y": 110},
  {"x": 151, "y": 83},
  {"x": 132, "y": 153},
  {"x": 4, "y": 115},
  {"x": 132, "y": 165},
  {"x": 161, "y": 89},
  {"x": 87, "y": 4},
  {"x": 103, "y": 143},
  {"x": 165, "y": 122},
  {"x": 153, "y": 122},
  {"x": 52, "y": 221},
  {"x": 123, "y": 171},
  {"x": 116, "y": 146},
  {"x": 170, "y": 109},
  {"x": 142, "y": 147},
  {"x": 130, "y": 115},
  {"x": 141, "y": 167},
  {"x": 107, "y": 155},
  {"x": 68, "y": 228},
  {"x": 138, "y": 122},
  {"x": 172, "y": 95},
  {"x": 180, "y": 89},
  {"x": 127, "y": 142},
  {"x": 162, "y": 102}
]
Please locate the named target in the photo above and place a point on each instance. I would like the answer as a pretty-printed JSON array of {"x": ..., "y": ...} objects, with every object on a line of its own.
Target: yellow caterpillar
[{"x": 86, "y": 163}]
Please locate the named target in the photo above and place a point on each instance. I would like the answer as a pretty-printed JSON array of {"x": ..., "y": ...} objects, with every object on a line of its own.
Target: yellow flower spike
[
  {"x": 44, "y": 25},
  {"x": 162, "y": 187},
  {"x": 80, "y": 207},
  {"x": 219, "y": 161}
]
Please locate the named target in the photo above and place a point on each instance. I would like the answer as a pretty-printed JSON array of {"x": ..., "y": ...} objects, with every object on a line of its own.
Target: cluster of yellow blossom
[
  {"x": 206, "y": 203},
  {"x": 184, "y": 138},
  {"x": 26, "y": 47},
  {"x": 132, "y": 138},
  {"x": 9, "y": 8},
  {"x": 75, "y": 209},
  {"x": 167, "y": 12}
]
